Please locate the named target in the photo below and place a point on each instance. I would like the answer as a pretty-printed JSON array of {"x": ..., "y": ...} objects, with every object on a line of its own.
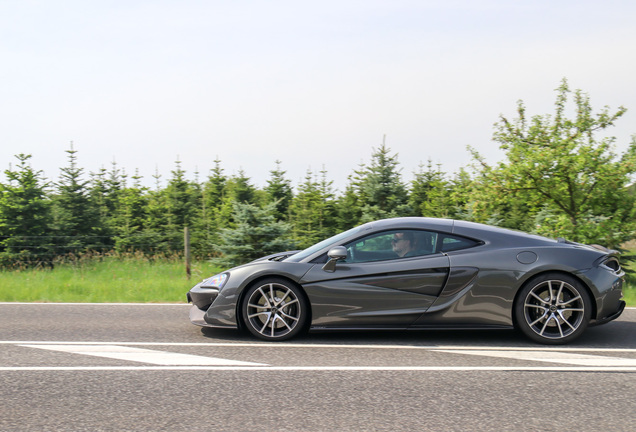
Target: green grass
[
  {"x": 630, "y": 295},
  {"x": 105, "y": 280},
  {"x": 129, "y": 279},
  {"x": 628, "y": 261}
]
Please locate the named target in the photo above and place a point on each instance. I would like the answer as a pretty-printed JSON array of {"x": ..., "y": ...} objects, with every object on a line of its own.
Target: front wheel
[
  {"x": 553, "y": 309},
  {"x": 274, "y": 310}
]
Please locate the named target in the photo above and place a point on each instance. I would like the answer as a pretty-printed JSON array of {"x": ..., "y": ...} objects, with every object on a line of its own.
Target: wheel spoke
[
  {"x": 539, "y": 298},
  {"x": 282, "y": 300},
  {"x": 560, "y": 291},
  {"x": 262, "y": 330},
  {"x": 258, "y": 314},
  {"x": 566, "y": 321},
  {"x": 550, "y": 291},
  {"x": 558, "y": 324},
  {"x": 264, "y": 296},
  {"x": 535, "y": 306},
  {"x": 294, "y": 301},
  {"x": 545, "y": 324},
  {"x": 272, "y": 295},
  {"x": 286, "y": 315},
  {"x": 570, "y": 301},
  {"x": 538, "y": 320},
  {"x": 284, "y": 322}
]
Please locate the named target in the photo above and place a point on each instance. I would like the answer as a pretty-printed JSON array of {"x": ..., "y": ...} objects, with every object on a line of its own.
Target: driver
[{"x": 403, "y": 244}]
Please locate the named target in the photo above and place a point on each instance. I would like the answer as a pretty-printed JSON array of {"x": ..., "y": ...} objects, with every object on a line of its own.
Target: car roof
[{"x": 464, "y": 228}]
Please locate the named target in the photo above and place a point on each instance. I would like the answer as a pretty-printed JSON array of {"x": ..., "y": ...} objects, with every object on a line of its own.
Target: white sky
[{"x": 310, "y": 83}]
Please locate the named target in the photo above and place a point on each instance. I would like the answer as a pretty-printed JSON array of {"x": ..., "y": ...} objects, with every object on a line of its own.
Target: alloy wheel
[
  {"x": 273, "y": 311},
  {"x": 554, "y": 309}
]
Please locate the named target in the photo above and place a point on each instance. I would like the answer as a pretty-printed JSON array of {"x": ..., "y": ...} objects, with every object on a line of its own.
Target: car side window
[
  {"x": 390, "y": 245},
  {"x": 450, "y": 243}
]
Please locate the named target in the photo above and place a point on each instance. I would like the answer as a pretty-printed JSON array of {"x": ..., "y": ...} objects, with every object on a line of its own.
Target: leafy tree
[
  {"x": 24, "y": 215},
  {"x": 564, "y": 177}
]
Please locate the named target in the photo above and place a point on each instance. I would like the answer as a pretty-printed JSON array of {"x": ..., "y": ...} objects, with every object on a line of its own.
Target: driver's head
[{"x": 403, "y": 243}]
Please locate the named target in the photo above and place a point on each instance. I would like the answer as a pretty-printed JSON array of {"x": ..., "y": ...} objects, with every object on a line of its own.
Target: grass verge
[{"x": 105, "y": 280}]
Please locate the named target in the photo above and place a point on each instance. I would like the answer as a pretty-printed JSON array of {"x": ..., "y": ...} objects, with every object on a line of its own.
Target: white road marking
[
  {"x": 143, "y": 355},
  {"x": 551, "y": 357},
  {"x": 327, "y": 368},
  {"x": 160, "y": 360},
  {"x": 323, "y": 346}
]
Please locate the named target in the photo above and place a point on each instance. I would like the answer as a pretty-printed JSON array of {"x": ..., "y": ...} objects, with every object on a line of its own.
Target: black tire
[
  {"x": 553, "y": 309},
  {"x": 274, "y": 310}
]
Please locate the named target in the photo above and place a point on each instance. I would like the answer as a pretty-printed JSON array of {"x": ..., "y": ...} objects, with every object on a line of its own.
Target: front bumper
[
  {"x": 196, "y": 317},
  {"x": 202, "y": 297}
]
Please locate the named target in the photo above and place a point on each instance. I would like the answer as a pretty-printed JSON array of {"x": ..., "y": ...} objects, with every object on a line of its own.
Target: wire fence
[{"x": 48, "y": 250}]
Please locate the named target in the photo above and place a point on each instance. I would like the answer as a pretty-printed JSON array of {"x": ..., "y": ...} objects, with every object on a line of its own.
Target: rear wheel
[
  {"x": 553, "y": 309},
  {"x": 274, "y": 310}
]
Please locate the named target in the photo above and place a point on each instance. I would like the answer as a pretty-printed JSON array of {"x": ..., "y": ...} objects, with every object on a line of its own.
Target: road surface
[{"x": 86, "y": 367}]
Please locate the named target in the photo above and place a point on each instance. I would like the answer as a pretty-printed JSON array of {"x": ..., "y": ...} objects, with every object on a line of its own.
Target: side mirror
[{"x": 335, "y": 254}]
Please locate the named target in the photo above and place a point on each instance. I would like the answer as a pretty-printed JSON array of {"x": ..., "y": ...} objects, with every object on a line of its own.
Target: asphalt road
[{"x": 145, "y": 367}]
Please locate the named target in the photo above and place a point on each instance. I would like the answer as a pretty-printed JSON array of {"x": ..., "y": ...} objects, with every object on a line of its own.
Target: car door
[{"x": 376, "y": 287}]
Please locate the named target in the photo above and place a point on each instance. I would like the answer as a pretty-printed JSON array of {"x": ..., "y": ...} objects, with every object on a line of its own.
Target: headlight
[{"x": 216, "y": 281}]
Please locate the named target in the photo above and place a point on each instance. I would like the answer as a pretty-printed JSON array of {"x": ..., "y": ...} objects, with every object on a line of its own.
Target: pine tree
[
  {"x": 130, "y": 218},
  {"x": 256, "y": 233},
  {"x": 430, "y": 193},
  {"x": 312, "y": 210},
  {"x": 381, "y": 189},
  {"x": 279, "y": 192},
  {"x": 105, "y": 190},
  {"x": 239, "y": 189},
  {"x": 75, "y": 217},
  {"x": 349, "y": 204},
  {"x": 210, "y": 220},
  {"x": 182, "y": 197},
  {"x": 24, "y": 216}
]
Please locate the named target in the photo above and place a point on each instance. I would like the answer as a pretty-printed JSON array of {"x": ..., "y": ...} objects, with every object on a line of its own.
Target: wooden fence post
[{"x": 186, "y": 243}]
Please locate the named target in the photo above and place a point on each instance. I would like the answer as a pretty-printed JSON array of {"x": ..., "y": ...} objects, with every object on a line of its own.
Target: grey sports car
[{"x": 419, "y": 273}]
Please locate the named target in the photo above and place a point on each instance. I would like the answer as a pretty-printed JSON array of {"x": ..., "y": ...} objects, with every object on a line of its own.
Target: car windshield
[{"x": 331, "y": 241}]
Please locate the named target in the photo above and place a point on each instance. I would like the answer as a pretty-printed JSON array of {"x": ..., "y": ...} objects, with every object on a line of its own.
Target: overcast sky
[{"x": 309, "y": 83}]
